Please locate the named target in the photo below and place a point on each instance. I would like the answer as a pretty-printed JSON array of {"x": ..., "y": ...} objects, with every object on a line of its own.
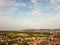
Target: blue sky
[{"x": 29, "y": 14}]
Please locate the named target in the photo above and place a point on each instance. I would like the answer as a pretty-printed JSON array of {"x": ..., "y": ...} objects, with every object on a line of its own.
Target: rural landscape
[
  {"x": 29, "y": 22},
  {"x": 30, "y": 37}
]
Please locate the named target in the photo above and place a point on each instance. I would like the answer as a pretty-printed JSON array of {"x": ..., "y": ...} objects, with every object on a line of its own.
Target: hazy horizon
[{"x": 29, "y": 14}]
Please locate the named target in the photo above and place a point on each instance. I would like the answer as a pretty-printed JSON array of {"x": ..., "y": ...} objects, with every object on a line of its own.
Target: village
[{"x": 52, "y": 39}]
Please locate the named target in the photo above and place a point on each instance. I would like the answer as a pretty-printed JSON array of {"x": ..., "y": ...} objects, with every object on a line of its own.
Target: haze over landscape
[{"x": 29, "y": 14}]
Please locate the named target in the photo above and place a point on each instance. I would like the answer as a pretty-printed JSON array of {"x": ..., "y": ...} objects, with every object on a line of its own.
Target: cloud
[
  {"x": 37, "y": 20},
  {"x": 43, "y": 23},
  {"x": 35, "y": 4},
  {"x": 54, "y": 22},
  {"x": 6, "y": 23},
  {"x": 21, "y": 4},
  {"x": 49, "y": 23},
  {"x": 33, "y": 1},
  {"x": 57, "y": 7},
  {"x": 10, "y": 7},
  {"x": 48, "y": 8},
  {"x": 2, "y": 3},
  {"x": 11, "y": 3},
  {"x": 55, "y": 4},
  {"x": 35, "y": 12},
  {"x": 8, "y": 11}
]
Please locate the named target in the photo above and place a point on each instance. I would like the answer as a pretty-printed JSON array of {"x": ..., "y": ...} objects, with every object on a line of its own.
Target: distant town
[{"x": 30, "y": 37}]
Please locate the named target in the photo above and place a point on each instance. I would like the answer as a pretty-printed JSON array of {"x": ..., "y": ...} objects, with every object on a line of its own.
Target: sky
[{"x": 29, "y": 14}]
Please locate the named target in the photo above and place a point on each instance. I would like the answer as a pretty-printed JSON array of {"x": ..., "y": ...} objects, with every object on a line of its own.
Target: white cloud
[
  {"x": 53, "y": 22},
  {"x": 11, "y": 3},
  {"x": 33, "y": 1},
  {"x": 2, "y": 3},
  {"x": 35, "y": 12},
  {"x": 21, "y": 4},
  {"x": 37, "y": 23},
  {"x": 50, "y": 23},
  {"x": 57, "y": 7},
  {"x": 7, "y": 23},
  {"x": 8, "y": 12},
  {"x": 48, "y": 8},
  {"x": 35, "y": 4},
  {"x": 55, "y": 4}
]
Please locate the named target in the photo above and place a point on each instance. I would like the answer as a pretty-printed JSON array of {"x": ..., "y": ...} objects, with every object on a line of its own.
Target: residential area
[{"x": 29, "y": 38}]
